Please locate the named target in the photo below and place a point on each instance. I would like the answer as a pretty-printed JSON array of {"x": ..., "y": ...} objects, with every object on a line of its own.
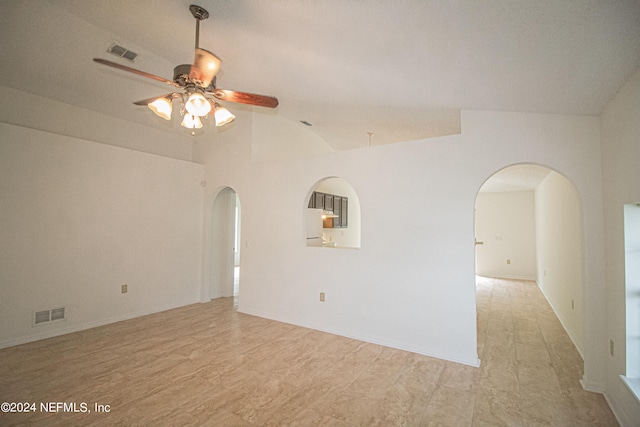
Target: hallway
[
  {"x": 529, "y": 361},
  {"x": 207, "y": 364}
]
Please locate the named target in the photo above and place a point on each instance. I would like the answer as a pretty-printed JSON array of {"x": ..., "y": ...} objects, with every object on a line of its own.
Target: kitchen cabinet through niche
[{"x": 337, "y": 205}]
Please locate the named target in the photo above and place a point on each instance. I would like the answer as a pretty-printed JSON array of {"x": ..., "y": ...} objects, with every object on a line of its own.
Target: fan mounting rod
[{"x": 199, "y": 13}]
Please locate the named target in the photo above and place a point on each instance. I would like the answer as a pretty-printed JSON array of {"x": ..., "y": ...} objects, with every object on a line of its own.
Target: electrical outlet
[
  {"x": 124, "y": 289},
  {"x": 321, "y": 296},
  {"x": 508, "y": 261},
  {"x": 611, "y": 347}
]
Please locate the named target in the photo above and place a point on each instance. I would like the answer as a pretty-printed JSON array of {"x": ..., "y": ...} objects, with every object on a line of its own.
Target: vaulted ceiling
[{"x": 400, "y": 69}]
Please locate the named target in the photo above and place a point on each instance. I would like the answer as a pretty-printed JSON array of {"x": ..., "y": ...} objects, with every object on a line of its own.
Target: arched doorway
[
  {"x": 224, "y": 278},
  {"x": 529, "y": 234}
]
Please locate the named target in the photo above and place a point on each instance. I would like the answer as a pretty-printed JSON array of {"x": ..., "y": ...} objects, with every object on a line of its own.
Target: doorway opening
[
  {"x": 224, "y": 280},
  {"x": 528, "y": 227}
]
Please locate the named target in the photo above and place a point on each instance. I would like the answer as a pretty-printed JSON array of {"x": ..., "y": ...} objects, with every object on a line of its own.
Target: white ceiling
[
  {"x": 525, "y": 177},
  {"x": 401, "y": 69}
]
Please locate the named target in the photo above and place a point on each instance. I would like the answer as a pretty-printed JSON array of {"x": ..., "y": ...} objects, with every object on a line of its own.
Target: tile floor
[{"x": 206, "y": 364}]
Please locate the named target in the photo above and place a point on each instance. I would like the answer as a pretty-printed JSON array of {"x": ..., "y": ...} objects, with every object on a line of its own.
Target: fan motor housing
[
  {"x": 181, "y": 73},
  {"x": 181, "y": 76}
]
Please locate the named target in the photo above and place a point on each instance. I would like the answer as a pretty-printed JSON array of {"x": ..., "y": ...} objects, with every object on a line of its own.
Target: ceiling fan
[{"x": 197, "y": 82}]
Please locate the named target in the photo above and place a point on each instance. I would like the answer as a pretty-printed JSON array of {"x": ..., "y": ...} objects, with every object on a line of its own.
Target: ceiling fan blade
[
  {"x": 246, "y": 98},
  {"x": 134, "y": 71},
  {"x": 205, "y": 67},
  {"x": 150, "y": 100}
]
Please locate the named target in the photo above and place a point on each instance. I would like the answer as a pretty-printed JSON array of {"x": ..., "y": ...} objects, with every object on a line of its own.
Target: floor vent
[
  {"x": 48, "y": 316},
  {"x": 122, "y": 52}
]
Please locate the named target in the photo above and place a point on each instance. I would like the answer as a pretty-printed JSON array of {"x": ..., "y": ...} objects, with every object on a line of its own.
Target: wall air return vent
[
  {"x": 122, "y": 52},
  {"x": 57, "y": 314},
  {"x": 42, "y": 317},
  {"x": 48, "y": 316}
]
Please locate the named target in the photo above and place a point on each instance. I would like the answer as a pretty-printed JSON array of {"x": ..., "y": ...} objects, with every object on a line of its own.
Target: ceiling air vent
[
  {"x": 48, "y": 316},
  {"x": 122, "y": 52}
]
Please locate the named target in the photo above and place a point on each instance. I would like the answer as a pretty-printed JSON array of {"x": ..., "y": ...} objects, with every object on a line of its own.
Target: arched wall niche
[{"x": 332, "y": 215}]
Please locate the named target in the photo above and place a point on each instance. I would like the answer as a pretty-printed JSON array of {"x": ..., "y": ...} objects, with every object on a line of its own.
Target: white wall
[
  {"x": 36, "y": 112},
  {"x": 505, "y": 223},
  {"x": 569, "y": 145},
  {"x": 280, "y": 139},
  {"x": 620, "y": 124},
  {"x": 559, "y": 252},
  {"x": 412, "y": 283},
  {"x": 79, "y": 219}
]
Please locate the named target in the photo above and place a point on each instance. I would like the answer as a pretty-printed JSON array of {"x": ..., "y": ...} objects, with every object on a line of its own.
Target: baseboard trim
[
  {"x": 507, "y": 277},
  {"x": 373, "y": 340},
  {"x": 89, "y": 325},
  {"x": 571, "y": 337},
  {"x": 592, "y": 386},
  {"x": 618, "y": 409}
]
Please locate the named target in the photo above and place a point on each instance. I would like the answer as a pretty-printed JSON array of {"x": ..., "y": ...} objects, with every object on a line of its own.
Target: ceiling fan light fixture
[
  {"x": 196, "y": 85},
  {"x": 162, "y": 107},
  {"x": 222, "y": 115},
  {"x": 197, "y": 105},
  {"x": 191, "y": 121}
]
